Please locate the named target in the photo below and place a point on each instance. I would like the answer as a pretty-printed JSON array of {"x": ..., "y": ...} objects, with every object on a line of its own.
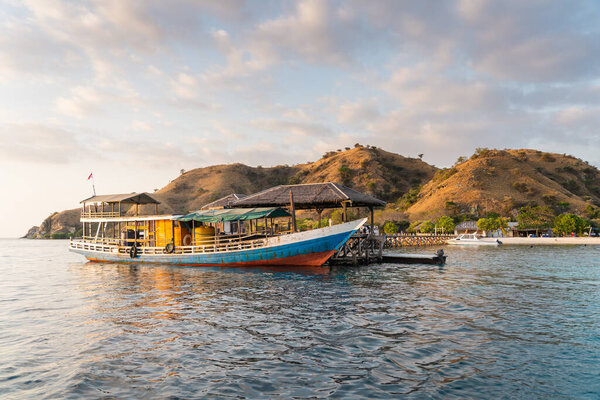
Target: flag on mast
[{"x": 93, "y": 183}]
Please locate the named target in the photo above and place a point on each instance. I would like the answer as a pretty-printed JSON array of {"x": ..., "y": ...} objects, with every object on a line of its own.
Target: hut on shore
[
  {"x": 466, "y": 227},
  {"x": 315, "y": 196}
]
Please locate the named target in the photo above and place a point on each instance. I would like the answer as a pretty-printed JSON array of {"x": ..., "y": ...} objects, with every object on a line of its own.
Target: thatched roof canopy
[
  {"x": 223, "y": 202},
  {"x": 470, "y": 225},
  {"x": 129, "y": 198},
  {"x": 310, "y": 195}
]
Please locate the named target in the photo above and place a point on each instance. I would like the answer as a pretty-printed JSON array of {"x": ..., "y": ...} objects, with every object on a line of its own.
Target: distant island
[{"x": 526, "y": 185}]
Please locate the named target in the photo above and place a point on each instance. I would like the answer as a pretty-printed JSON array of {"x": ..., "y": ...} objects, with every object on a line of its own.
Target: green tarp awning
[{"x": 234, "y": 214}]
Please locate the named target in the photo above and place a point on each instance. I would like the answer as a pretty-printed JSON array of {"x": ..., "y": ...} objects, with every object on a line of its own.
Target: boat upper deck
[{"x": 115, "y": 206}]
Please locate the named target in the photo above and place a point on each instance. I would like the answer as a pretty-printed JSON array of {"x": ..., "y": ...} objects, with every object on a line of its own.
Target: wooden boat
[
  {"x": 470, "y": 239},
  {"x": 226, "y": 237}
]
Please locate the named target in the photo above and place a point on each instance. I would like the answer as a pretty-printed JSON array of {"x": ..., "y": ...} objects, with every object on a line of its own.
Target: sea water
[{"x": 506, "y": 322}]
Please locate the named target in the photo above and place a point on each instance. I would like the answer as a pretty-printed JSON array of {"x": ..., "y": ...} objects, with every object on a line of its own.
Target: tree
[
  {"x": 427, "y": 227},
  {"x": 460, "y": 160},
  {"x": 446, "y": 223},
  {"x": 563, "y": 206},
  {"x": 345, "y": 174},
  {"x": 492, "y": 223},
  {"x": 565, "y": 224},
  {"x": 535, "y": 217},
  {"x": 390, "y": 228}
]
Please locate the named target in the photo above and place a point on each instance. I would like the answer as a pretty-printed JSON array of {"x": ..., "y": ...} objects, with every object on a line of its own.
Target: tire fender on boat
[
  {"x": 133, "y": 252},
  {"x": 187, "y": 240},
  {"x": 169, "y": 248}
]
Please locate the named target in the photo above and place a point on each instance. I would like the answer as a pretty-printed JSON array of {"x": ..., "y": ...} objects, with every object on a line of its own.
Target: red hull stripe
[{"x": 309, "y": 260}]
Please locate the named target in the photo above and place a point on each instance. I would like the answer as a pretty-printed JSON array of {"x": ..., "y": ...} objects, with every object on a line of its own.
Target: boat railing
[
  {"x": 100, "y": 214},
  {"x": 107, "y": 245}
]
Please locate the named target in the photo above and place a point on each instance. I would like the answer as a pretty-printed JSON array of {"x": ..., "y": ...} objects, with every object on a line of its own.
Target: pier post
[{"x": 293, "y": 211}]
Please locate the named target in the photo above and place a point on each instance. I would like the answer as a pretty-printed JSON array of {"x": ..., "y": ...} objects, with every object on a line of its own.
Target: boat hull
[
  {"x": 472, "y": 243},
  {"x": 312, "y": 248}
]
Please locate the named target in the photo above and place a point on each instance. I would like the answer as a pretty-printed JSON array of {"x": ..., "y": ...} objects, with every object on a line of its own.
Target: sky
[{"x": 136, "y": 90}]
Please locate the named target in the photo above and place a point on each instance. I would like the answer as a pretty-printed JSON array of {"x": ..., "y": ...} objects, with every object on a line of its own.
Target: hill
[
  {"x": 372, "y": 170},
  {"x": 503, "y": 180},
  {"x": 59, "y": 224},
  {"x": 498, "y": 181}
]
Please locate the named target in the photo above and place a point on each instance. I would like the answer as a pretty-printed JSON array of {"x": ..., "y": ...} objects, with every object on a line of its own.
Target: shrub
[
  {"x": 566, "y": 224},
  {"x": 563, "y": 206},
  {"x": 492, "y": 223},
  {"x": 390, "y": 228},
  {"x": 520, "y": 186},
  {"x": 549, "y": 199},
  {"x": 480, "y": 152},
  {"x": 548, "y": 157},
  {"x": 535, "y": 217},
  {"x": 444, "y": 174},
  {"x": 413, "y": 227},
  {"x": 460, "y": 160},
  {"x": 427, "y": 227},
  {"x": 345, "y": 175},
  {"x": 572, "y": 186},
  {"x": 409, "y": 198},
  {"x": 446, "y": 223}
]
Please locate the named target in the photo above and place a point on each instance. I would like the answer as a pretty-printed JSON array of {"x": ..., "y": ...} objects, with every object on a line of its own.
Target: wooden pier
[
  {"x": 360, "y": 249},
  {"x": 363, "y": 249}
]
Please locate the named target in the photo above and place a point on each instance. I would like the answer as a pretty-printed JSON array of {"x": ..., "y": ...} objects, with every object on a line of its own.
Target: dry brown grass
[{"x": 524, "y": 176}]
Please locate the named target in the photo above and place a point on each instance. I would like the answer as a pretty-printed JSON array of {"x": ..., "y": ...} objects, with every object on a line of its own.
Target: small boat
[
  {"x": 471, "y": 239},
  {"x": 217, "y": 237}
]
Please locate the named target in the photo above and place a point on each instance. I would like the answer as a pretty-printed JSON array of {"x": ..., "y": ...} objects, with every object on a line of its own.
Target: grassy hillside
[
  {"x": 502, "y": 180},
  {"x": 498, "y": 181},
  {"x": 383, "y": 174},
  {"x": 375, "y": 171}
]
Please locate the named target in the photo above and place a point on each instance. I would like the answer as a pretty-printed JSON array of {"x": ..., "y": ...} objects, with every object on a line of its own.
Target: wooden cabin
[{"x": 115, "y": 220}]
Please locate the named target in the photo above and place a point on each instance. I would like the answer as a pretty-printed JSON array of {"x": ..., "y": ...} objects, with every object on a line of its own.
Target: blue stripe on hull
[{"x": 328, "y": 243}]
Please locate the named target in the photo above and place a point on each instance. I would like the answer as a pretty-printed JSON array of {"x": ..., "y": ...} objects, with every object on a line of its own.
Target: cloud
[
  {"x": 315, "y": 31},
  {"x": 88, "y": 100},
  {"x": 39, "y": 144},
  {"x": 293, "y": 128},
  {"x": 141, "y": 126},
  {"x": 357, "y": 113}
]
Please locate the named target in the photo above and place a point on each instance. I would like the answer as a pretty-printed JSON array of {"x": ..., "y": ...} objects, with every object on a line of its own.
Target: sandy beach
[{"x": 551, "y": 240}]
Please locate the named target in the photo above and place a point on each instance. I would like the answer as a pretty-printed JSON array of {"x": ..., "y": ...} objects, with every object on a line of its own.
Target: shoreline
[{"x": 550, "y": 241}]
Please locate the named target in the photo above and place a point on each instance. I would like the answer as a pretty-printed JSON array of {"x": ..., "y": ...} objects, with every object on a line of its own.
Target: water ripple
[{"x": 494, "y": 323}]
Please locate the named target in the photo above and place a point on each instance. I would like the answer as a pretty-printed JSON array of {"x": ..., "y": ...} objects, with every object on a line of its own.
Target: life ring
[
  {"x": 187, "y": 240},
  {"x": 169, "y": 248},
  {"x": 133, "y": 252}
]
